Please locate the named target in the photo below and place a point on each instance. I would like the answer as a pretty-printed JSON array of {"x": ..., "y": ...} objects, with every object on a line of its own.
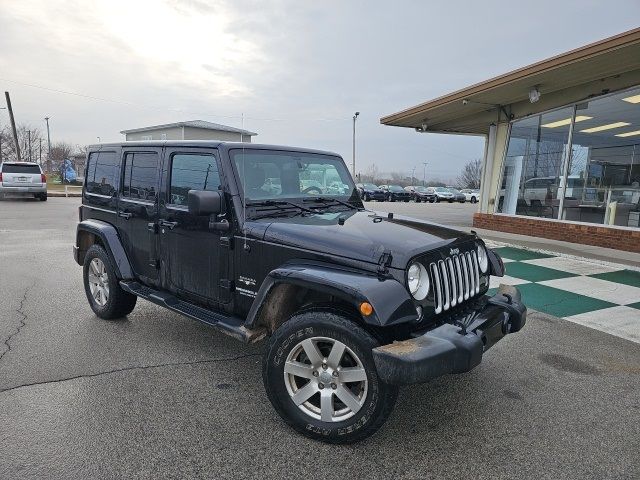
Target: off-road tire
[
  {"x": 380, "y": 398},
  {"x": 119, "y": 302}
]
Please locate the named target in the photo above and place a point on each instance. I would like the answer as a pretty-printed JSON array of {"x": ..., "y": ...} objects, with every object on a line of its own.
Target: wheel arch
[
  {"x": 293, "y": 288},
  {"x": 92, "y": 232}
]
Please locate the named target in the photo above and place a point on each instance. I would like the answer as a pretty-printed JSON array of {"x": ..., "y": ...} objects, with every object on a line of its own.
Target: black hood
[{"x": 363, "y": 236}]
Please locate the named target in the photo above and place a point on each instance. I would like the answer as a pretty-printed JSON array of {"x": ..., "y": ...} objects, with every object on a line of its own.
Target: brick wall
[{"x": 627, "y": 239}]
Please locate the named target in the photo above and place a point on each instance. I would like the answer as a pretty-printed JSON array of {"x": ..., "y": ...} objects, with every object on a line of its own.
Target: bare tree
[
  {"x": 471, "y": 174},
  {"x": 29, "y": 140}
]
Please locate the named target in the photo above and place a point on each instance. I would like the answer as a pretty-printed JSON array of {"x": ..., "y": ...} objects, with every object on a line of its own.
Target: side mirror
[{"x": 204, "y": 202}]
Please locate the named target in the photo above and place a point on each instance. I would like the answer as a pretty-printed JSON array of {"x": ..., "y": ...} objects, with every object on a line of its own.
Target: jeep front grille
[{"x": 454, "y": 280}]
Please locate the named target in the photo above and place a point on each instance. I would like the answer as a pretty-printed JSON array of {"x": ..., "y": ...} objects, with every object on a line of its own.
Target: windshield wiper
[
  {"x": 279, "y": 204},
  {"x": 329, "y": 200}
]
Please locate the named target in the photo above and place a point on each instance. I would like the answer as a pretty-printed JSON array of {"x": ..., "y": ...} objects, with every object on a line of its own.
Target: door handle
[
  {"x": 125, "y": 215},
  {"x": 168, "y": 224}
]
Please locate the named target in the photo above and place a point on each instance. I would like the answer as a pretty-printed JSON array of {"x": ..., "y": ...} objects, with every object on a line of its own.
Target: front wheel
[
  {"x": 319, "y": 375},
  {"x": 366, "y": 197},
  {"x": 473, "y": 200}
]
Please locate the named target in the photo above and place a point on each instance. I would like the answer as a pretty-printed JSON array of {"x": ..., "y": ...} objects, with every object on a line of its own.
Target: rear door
[
  {"x": 21, "y": 175},
  {"x": 138, "y": 210}
]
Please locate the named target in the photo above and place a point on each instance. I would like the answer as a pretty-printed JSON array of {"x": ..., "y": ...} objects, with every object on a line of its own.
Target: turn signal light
[{"x": 366, "y": 309}]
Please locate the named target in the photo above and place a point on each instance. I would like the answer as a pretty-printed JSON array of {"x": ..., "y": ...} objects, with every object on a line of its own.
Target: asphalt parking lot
[
  {"x": 157, "y": 395},
  {"x": 456, "y": 214}
]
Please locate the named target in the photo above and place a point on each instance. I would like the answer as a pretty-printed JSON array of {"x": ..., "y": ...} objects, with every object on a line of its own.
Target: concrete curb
[{"x": 62, "y": 194}]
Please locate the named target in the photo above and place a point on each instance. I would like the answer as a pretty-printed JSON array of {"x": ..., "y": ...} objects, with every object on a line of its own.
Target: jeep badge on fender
[{"x": 266, "y": 242}]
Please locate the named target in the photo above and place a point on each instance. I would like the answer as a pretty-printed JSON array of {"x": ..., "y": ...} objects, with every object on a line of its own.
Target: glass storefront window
[
  {"x": 603, "y": 181},
  {"x": 596, "y": 179},
  {"x": 533, "y": 164}
]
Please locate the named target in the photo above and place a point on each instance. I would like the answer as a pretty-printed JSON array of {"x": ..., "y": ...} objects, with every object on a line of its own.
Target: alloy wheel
[
  {"x": 98, "y": 282},
  {"x": 325, "y": 379}
]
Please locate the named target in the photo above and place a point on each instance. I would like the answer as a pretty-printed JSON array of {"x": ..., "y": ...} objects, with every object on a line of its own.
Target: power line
[{"x": 175, "y": 110}]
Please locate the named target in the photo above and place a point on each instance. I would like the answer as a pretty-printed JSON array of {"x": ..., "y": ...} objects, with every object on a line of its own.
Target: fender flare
[
  {"x": 390, "y": 300},
  {"x": 111, "y": 241}
]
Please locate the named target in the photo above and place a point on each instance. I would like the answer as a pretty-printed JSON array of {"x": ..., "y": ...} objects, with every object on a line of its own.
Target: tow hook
[{"x": 511, "y": 311}]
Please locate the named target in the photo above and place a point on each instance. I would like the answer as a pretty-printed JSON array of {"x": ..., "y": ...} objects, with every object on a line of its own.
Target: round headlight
[
  {"x": 418, "y": 281},
  {"x": 483, "y": 259}
]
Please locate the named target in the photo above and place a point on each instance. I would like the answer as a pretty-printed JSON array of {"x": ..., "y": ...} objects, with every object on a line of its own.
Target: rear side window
[
  {"x": 9, "y": 168},
  {"x": 140, "y": 176},
  {"x": 102, "y": 173},
  {"x": 192, "y": 172}
]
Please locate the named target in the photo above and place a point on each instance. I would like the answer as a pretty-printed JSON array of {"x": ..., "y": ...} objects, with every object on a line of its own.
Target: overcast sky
[{"x": 296, "y": 69}]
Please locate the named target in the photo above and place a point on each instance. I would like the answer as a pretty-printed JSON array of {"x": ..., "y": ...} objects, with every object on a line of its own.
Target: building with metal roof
[
  {"x": 562, "y": 149},
  {"x": 189, "y": 130}
]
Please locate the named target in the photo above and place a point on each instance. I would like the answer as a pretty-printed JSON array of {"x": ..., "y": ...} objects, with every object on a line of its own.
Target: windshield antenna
[{"x": 244, "y": 189}]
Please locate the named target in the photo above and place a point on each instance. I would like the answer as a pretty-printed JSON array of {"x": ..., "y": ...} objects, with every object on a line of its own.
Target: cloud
[{"x": 295, "y": 70}]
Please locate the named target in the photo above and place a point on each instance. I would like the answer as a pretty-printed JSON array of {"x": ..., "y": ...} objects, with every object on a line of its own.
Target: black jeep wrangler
[{"x": 274, "y": 242}]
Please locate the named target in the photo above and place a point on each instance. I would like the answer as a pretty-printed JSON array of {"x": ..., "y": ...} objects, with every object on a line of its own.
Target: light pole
[
  {"x": 413, "y": 174},
  {"x": 424, "y": 175},
  {"x": 98, "y": 139},
  {"x": 355, "y": 116},
  {"x": 46, "y": 119}
]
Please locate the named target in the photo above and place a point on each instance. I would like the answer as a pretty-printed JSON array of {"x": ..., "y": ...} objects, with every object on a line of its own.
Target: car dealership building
[{"x": 562, "y": 149}]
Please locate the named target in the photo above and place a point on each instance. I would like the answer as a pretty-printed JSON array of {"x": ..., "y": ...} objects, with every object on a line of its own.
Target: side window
[
  {"x": 101, "y": 173},
  {"x": 192, "y": 172},
  {"x": 140, "y": 176}
]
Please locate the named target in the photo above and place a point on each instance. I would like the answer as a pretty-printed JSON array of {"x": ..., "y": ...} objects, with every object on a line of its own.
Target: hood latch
[{"x": 384, "y": 262}]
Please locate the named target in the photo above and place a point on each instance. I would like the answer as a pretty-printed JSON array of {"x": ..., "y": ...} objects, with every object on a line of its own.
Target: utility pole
[
  {"x": 353, "y": 166},
  {"x": 29, "y": 140},
  {"x": 48, "y": 146},
  {"x": 413, "y": 174},
  {"x": 424, "y": 175},
  {"x": 40, "y": 154},
  {"x": 13, "y": 125},
  {"x": 1, "y": 108}
]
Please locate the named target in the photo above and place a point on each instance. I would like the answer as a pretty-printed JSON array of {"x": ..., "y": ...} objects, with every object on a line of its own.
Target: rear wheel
[
  {"x": 366, "y": 197},
  {"x": 319, "y": 375},
  {"x": 474, "y": 200},
  {"x": 43, "y": 197},
  {"x": 106, "y": 298}
]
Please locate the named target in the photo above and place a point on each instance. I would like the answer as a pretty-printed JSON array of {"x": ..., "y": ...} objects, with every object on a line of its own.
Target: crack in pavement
[
  {"x": 23, "y": 322},
  {"x": 135, "y": 367}
]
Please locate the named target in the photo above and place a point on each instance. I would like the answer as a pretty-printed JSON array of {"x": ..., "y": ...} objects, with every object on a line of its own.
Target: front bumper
[{"x": 453, "y": 347}]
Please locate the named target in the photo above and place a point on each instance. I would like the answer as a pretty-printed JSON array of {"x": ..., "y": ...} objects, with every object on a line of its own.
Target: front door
[
  {"x": 138, "y": 210},
  {"x": 192, "y": 261}
]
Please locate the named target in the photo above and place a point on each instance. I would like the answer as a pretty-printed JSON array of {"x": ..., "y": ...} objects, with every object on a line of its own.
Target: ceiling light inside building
[
  {"x": 608, "y": 126},
  {"x": 566, "y": 121},
  {"x": 629, "y": 134},
  {"x": 633, "y": 99}
]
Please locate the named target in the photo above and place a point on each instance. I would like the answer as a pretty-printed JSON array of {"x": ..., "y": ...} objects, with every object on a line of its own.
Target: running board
[{"x": 228, "y": 324}]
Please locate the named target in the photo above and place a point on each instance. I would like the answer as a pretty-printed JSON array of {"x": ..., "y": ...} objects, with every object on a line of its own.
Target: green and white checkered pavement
[{"x": 603, "y": 297}]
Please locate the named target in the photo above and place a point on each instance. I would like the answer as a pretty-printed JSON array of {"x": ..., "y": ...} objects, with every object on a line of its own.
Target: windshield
[
  {"x": 454, "y": 190},
  {"x": 277, "y": 175},
  {"x": 370, "y": 186},
  {"x": 396, "y": 188},
  {"x": 441, "y": 189},
  {"x": 421, "y": 189}
]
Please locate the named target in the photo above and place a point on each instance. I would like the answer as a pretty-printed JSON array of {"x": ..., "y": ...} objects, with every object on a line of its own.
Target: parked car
[
  {"x": 421, "y": 194},
  {"x": 442, "y": 194},
  {"x": 351, "y": 304},
  {"x": 24, "y": 179},
  {"x": 369, "y": 191},
  {"x": 395, "y": 192},
  {"x": 458, "y": 196},
  {"x": 471, "y": 195}
]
